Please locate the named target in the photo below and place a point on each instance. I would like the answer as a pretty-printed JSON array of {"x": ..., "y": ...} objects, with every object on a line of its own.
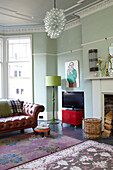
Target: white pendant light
[{"x": 55, "y": 21}]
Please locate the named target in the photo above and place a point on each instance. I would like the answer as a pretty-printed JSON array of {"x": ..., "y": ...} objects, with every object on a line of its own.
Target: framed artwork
[
  {"x": 93, "y": 60},
  {"x": 72, "y": 74}
]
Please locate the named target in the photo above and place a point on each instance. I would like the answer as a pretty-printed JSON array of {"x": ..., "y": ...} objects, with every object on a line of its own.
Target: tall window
[
  {"x": 19, "y": 68},
  {"x": 0, "y": 67}
]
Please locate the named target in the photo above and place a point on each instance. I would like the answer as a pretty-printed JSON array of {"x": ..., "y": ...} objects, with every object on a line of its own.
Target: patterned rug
[
  {"x": 23, "y": 148},
  {"x": 88, "y": 155}
]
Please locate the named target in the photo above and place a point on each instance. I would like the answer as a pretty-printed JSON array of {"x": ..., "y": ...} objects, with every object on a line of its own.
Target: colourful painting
[{"x": 72, "y": 74}]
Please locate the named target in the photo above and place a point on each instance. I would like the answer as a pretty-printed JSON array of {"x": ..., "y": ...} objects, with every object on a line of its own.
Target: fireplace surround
[
  {"x": 108, "y": 103},
  {"x": 101, "y": 86}
]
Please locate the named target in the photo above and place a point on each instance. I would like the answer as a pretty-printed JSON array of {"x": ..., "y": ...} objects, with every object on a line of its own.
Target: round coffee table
[{"x": 42, "y": 130}]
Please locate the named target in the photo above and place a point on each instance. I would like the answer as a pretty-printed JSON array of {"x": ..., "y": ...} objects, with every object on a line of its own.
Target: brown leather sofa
[{"x": 27, "y": 119}]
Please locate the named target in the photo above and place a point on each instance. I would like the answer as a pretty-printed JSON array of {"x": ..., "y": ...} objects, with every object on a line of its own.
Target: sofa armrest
[{"x": 32, "y": 110}]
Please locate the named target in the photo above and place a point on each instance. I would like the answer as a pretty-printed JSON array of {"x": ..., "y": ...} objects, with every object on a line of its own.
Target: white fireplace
[{"x": 100, "y": 87}]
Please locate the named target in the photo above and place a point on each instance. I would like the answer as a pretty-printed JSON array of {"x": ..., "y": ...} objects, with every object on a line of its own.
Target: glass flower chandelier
[{"x": 55, "y": 21}]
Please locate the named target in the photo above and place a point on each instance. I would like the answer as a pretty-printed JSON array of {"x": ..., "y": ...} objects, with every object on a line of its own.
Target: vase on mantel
[
  {"x": 104, "y": 73},
  {"x": 100, "y": 73},
  {"x": 111, "y": 73}
]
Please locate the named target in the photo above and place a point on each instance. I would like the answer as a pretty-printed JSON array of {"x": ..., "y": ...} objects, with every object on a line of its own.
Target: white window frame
[
  {"x": 6, "y": 63},
  {"x": 1, "y": 62}
]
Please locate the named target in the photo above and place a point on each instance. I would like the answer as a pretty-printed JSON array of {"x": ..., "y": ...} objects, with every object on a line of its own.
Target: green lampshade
[{"x": 53, "y": 80}]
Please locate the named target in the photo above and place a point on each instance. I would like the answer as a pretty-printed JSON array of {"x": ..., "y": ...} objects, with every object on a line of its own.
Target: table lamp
[{"x": 53, "y": 81}]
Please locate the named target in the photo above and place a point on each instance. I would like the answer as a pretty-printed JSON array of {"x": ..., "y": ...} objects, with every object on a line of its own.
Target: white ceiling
[{"x": 32, "y": 12}]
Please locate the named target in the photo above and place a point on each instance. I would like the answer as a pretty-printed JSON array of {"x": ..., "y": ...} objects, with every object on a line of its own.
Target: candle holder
[{"x": 107, "y": 69}]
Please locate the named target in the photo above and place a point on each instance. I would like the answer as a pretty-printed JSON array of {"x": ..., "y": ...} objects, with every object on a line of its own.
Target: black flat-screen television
[{"x": 73, "y": 100}]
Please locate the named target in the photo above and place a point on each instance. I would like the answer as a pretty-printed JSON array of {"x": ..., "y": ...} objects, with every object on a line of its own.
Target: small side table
[{"x": 42, "y": 130}]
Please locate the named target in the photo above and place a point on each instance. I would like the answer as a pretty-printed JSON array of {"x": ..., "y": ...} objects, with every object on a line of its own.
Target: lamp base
[{"x": 53, "y": 122}]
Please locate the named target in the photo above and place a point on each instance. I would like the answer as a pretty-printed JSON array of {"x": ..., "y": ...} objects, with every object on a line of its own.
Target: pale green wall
[
  {"x": 94, "y": 27},
  {"x": 43, "y": 44},
  {"x": 70, "y": 40},
  {"x": 44, "y": 64},
  {"x": 97, "y": 26}
]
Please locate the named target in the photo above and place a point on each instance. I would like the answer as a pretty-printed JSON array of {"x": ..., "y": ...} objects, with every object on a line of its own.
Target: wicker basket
[{"x": 92, "y": 128}]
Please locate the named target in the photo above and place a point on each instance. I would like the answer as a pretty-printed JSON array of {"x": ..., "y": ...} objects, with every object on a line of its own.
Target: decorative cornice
[
  {"x": 73, "y": 24},
  {"x": 33, "y": 28},
  {"x": 39, "y": 28},
  {"x": 95, "y": 8},
  {"x": 21, "y": 29}
]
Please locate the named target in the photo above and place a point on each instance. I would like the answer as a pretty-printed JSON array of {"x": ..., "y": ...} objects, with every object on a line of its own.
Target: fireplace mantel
[
  {"x": 98, "y": 78},
  {"x": 100, "y": 86}
]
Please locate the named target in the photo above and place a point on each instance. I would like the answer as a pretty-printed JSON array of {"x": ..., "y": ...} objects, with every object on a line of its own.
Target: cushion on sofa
[
  {"x": 15, "y": 106},
  {"x": 5, "y": 110}
]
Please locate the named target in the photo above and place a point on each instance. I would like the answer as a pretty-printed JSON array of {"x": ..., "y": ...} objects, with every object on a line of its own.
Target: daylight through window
[
  {"x": 19, "y": 68},
  {"x": 1, "y": 60}
]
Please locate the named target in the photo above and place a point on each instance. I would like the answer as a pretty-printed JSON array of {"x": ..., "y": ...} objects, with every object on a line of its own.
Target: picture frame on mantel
[
  {"x": 72, "y": 74},
  {"x": 93, "y": 60}
]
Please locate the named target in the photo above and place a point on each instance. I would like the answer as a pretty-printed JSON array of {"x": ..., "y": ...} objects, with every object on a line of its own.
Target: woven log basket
[{"x": 92, "y": 128}]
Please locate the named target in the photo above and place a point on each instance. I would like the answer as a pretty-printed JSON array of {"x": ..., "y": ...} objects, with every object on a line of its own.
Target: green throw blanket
[{"x": 5, "y": 110}]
